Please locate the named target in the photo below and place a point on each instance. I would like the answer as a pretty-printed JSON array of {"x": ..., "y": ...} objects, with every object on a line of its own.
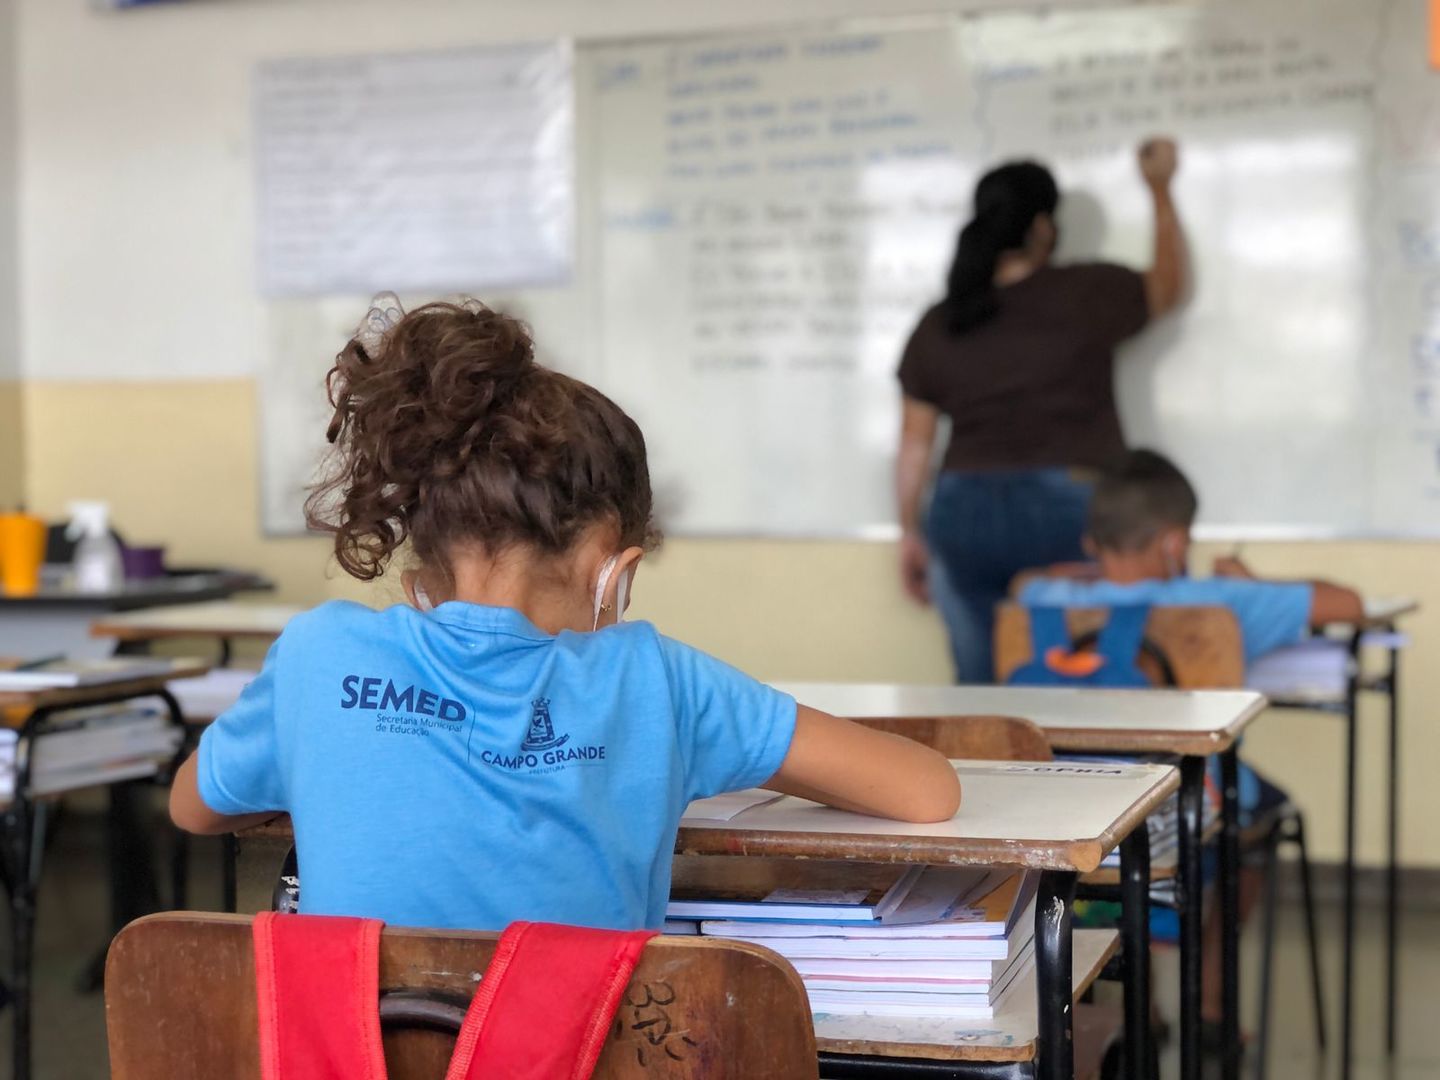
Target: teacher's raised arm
[{"x": 1020, "y": 356}]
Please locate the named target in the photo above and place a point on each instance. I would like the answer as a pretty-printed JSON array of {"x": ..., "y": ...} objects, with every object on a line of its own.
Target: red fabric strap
[
  {"x": 544, "y": 1008},
  {"x": 317, "y": 986}
]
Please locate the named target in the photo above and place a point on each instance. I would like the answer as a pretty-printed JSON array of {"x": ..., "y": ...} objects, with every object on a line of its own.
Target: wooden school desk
[
  {"x": 1338, "y": 693},
  {"x": 23, "y": 842},
  {"x": 1060, "y": 818},
  {"x": 56, "y": 621},
  {"x": 225, "y": 621},
  {"x": 1189, "y": 723}
]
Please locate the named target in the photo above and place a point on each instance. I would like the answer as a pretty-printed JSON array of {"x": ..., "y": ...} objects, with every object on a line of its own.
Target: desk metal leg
[
  {"x": 1392, "y": 875},
  {"x": 1189, "y": 896},
  {"x": 1230, "y": 909},
  {"x": 20, "y": 839},
  {"x": 1347, "y": 978},
  {"x": 1135, "y": 928},
  {"x": 1054, "y": 975}
]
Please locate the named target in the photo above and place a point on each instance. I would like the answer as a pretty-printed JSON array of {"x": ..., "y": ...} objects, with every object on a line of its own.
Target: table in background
[
  {"x": 1191, "y": 724},
  {"x": 57, "y": 621},
  {"x": 1339, "y": 694},
  {"x": 226, "y": 621},
  {"x": 24, "y": 844}
]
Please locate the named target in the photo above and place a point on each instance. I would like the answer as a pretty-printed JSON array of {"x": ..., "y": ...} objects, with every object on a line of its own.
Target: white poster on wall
[{"x": 431, "y": 171}]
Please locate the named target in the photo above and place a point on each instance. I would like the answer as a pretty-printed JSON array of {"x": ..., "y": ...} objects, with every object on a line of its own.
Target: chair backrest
[
  {"x": 993, "y": 738},
  {"x": 1202, "y": 645},
  {"x": 180, "y": 1001}
]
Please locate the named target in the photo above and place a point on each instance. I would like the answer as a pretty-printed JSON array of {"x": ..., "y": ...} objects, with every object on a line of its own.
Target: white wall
[
  {"x": 9, "y": 214},
  {"x": 137, "y": 228}
]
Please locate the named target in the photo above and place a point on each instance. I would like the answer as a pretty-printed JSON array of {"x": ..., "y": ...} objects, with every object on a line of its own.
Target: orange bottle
[{"x": 22, "y": 550}]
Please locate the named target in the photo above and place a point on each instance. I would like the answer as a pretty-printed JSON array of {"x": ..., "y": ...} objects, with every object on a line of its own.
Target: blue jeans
[{"x": 983, "y": 528}]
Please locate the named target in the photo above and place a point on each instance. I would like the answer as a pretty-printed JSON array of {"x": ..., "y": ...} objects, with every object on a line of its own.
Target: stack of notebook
[
  {"x": 882, "y": 941},
  {"x": 89, "y": 747}
]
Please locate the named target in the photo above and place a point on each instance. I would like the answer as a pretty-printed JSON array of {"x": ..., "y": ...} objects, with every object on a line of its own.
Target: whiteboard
[{"x": 762, "y": 219}]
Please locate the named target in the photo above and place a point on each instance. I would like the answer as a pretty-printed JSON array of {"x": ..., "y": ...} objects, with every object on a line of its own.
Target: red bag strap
[
  {"x": 317, "y": 987},
  {"x": 568, "y": 979}
]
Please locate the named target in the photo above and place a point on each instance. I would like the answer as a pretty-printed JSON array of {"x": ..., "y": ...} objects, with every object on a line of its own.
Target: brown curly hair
[{"x": 452, "y": 434}]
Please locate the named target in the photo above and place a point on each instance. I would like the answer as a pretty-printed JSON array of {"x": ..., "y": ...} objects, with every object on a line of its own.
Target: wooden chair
[
  {"x": 180, "y": 1001},
  {"x": 1201, "y": 646},
  {"x": 987, "y": 738}
]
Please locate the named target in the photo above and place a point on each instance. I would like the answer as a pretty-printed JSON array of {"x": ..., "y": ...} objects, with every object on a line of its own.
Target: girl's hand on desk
[{"x": 845, "y": 765}]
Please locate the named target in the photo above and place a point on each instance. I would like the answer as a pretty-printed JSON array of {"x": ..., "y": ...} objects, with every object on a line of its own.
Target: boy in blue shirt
[
  {"x": 1139, "y": 533},
  {"x": 500, "y": 748}
]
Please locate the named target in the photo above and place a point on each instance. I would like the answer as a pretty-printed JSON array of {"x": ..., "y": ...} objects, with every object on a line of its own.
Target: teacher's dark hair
[{"x": 1008, "y": 199}]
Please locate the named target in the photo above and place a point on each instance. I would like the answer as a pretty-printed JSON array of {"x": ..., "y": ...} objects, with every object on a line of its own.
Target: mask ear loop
[{"x": 605, "y": 572}]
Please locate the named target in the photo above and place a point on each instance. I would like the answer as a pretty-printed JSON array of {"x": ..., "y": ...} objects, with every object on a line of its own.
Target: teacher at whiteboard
[{"x": 1019, "y": 355}]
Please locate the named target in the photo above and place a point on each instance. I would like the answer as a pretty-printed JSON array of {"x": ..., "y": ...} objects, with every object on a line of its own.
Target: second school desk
[
  {"x": 131, "y": 869},
  {"x": 57, "y": 620},
  {"x": 1334, "y": 686},
  {"x": 1060, "y": 818},
  {"x": 225, "y": 621},
  {"x": 1191, "y": 724}
]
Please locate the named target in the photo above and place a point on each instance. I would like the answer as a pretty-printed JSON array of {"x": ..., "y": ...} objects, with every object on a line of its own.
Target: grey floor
[{"x": 70, "y": 1026}]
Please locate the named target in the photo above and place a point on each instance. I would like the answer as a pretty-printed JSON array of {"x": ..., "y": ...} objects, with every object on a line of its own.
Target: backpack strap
[
  {"x": 1048, "y": 630},
  {"x": 1123, "y": 635},
  {"x": 568, "y": 978},
  {"x": 317, "y": 990}
]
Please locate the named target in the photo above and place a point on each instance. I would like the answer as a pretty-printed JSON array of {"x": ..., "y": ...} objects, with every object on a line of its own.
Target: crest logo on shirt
[
  {"x": 542, "y": 731},
  {"x": 542, "y": 750}
]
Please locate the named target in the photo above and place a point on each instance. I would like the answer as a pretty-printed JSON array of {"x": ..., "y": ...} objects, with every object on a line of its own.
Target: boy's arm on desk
[
  {"x": 851, "y": 767},
  {"x": 1329, "y": 603},
  {"x": 190, "y": 813}
]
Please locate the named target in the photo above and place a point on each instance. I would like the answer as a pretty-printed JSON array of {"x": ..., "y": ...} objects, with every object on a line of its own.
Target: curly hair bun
[{"x": 447, "y": 431}]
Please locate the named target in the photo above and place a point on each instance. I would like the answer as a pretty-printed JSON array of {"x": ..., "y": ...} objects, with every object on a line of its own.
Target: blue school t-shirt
[
  {"x": 462, "y": 768},
  {"x": 1271, "y": 614}
]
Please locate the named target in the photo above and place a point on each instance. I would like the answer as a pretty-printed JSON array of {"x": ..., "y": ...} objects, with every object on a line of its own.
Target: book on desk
[{"x": 91, "y": 747}]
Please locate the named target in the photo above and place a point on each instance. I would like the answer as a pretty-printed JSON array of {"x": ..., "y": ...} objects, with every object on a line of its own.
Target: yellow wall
[
  {"x": 177, "y": 461},
  {"x": 11, "y": 445}
]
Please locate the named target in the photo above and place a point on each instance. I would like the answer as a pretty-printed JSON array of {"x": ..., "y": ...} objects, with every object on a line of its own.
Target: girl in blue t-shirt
[{"x": 501, "y": 747}]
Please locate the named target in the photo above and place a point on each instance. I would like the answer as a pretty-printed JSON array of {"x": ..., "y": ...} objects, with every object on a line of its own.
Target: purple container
[{"x": 143, "y": 563}]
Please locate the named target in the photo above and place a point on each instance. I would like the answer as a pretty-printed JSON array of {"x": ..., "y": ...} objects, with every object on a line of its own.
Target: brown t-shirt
[{"x": 1034, "y": 385}]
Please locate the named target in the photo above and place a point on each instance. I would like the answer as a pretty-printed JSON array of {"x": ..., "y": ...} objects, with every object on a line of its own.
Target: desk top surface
[
  {"x": 1053, "y": 816},
  {"x": 133, "y": 595},
  {"x": 1115, "y": 721},
  {"x": 223, "y": 618},
  {"x": 59, "y": 697},
  {"x": 1382, "y": 610},
  {"x": 1040, "y": 815}
]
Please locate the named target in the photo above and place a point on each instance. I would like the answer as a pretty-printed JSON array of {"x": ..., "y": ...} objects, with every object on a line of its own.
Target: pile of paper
[
  {"x": 90, "y": 747},
  {"x": 949, "y": 947}
]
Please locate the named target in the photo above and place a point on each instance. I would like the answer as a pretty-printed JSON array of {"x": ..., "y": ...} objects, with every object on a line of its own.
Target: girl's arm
[
  {"x": 918, "y": 422},
  {"x": 190, "y": 813},
  {"x": 872, "y": 772}
]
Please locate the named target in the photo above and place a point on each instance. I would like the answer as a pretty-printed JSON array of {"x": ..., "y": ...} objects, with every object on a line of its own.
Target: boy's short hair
[{"x": 1135, "y": 499}]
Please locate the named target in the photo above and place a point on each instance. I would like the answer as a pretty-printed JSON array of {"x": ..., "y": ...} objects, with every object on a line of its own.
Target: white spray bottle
[{"x": 98, "y": 568}]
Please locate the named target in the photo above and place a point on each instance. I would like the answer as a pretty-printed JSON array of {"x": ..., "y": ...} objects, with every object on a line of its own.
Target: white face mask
[
  {"x": 622, "y": 591},
  {"x": 422, "y": 598}
]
